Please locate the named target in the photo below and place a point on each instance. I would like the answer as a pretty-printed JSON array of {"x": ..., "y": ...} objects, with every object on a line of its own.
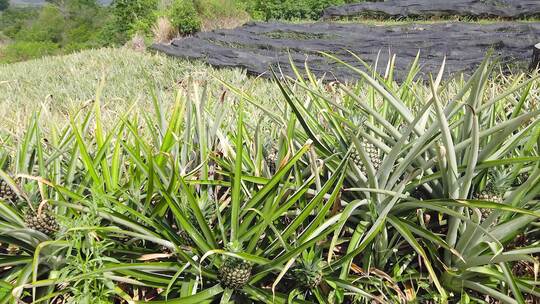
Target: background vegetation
[{"x": 62, "y": 27}]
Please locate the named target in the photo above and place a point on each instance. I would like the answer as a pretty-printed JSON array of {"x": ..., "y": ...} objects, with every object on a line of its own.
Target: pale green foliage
[{"x": 176, "y": 202}]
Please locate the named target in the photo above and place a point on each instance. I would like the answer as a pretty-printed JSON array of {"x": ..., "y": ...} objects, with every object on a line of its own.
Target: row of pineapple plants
[{"x": 422, "y": 191}]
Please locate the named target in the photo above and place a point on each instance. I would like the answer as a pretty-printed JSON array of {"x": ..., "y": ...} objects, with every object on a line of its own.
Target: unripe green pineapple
[
  {"x": 307, "y": 274},
  {"x": 307, "y": 278},
  {"x": 234, "y": 273},
  {"x": 186, "y": 239},
  {"x": 521, "y": 179},
  {"x": 373, "y": 154},
  {"x": 42, "y": 221},
  {"x": 521, "y": 240},
  {"x": 491, "y": 195},
  {"x": 6, "y": 192}
]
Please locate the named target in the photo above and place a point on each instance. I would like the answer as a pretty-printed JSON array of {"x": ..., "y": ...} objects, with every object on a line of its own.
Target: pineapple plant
[
  {"x": 42, "y": 220},
  {"x": 234, "y": 273},
  {"x": 308, "y": 272},
  {"x": 208, "y": 210},
  {"x": 373, "y": 154}
]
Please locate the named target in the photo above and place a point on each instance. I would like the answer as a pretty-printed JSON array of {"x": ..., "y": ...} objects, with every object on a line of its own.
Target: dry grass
[
  {"x": 221, "y": 14},
  {"x": 225, "y": 22},
  {"x": 163, "y": 31},
  {"x": 137, "y": 43}
]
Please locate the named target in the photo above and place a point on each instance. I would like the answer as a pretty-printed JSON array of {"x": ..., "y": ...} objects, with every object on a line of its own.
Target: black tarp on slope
[
  {"x": 507, "y": 9},
  {"x": 257, "y": 46}
]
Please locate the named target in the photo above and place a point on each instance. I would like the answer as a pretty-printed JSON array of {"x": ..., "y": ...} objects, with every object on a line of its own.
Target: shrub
[
  {"x": 216, "y": 14},
  {"x": 217, "y": 8},
  {"x": 129, "y": 18},
  {"x": 4, "y": 4},
  {"x": 70, "y": 25},
  {"x": 184, "y": 17},
  {"x": 25, "y": 50},
  {"x": 290, "y": 9},
  {"x": 48, "y": 27},
  {"x": 14, "y": 19}
]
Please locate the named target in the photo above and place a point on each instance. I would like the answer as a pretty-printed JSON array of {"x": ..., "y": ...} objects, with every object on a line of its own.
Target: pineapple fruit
[
  {"x": 307, "y": 277},
  {"x": 43, "y": 221},
  {"x": 521, "y": 178},
  {"x": 6, "y": 192},
  {"x": 372, "y": 153},
  {"x": 308, "y": 272},
  {"x": 491, "y": 194},
  {"x": 234, "y": 273},
  {"x": 186, "y": 239}
]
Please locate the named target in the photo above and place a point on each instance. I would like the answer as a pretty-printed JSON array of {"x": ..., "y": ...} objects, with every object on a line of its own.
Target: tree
[
  {"x": 4, "y": 4},
  {"x": 184, "y": 17},
  {"x": 130, "y": 17}
]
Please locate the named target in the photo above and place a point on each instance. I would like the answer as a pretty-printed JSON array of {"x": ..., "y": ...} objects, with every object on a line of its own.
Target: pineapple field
[{"x": 138, "y": 178}]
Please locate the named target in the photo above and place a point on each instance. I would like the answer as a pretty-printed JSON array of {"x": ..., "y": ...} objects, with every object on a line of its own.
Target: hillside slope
[{"x": 60, "y": 85}]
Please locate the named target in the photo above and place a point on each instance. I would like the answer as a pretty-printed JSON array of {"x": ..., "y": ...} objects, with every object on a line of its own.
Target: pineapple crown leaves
[
  {"x": 499, "y": 180},
  {"x": 311, "y": 260},
  {"x": 234, "y": 247},
  {"x": 233, "y": 252},
  {"x": 308, "y": 270}
]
